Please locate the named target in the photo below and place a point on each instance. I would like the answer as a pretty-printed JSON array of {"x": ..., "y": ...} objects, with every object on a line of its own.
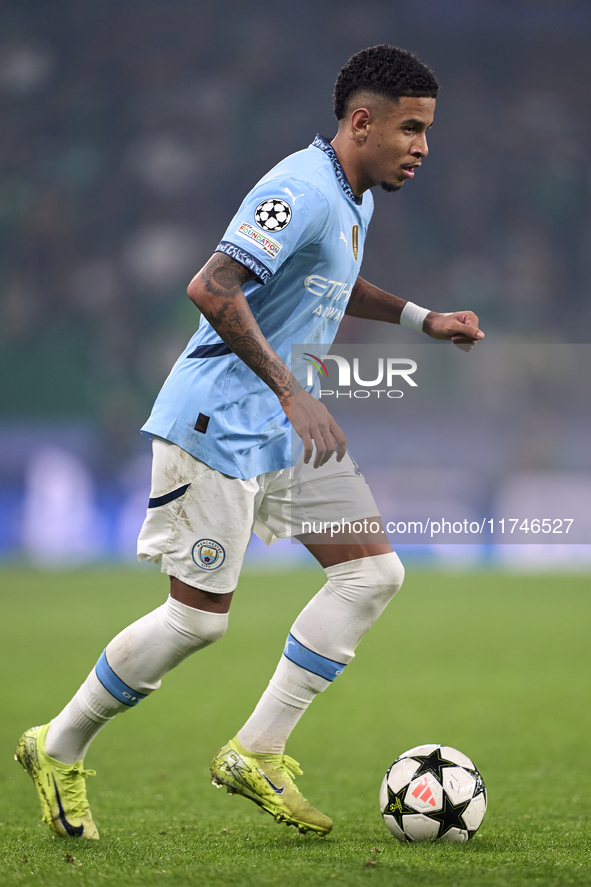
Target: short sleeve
[{"x": 275, "y": 220}]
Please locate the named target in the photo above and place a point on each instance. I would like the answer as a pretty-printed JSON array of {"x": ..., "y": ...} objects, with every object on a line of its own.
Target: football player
[{"x": 285, "y": 272}]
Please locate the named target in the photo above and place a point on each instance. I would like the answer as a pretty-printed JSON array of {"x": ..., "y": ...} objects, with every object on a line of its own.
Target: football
[{"x": 433, "y": 793}]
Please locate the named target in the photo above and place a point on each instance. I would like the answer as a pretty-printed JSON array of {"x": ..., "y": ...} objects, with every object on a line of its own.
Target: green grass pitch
[{"x": 494, "y": 664}]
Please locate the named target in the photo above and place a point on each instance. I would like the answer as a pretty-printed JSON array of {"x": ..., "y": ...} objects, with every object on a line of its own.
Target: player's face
[{"x": 397, "y": 141}]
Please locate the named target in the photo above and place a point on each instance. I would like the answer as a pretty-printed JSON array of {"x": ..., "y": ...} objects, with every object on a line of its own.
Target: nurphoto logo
[{"x": 389, "y": 372}]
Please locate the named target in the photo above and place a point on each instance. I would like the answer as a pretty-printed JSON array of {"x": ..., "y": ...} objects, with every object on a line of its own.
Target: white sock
[
  {"x": 321, "y": 643},
  {"x": 132, "y": 667},
  {"x": 290, "y": 692}
]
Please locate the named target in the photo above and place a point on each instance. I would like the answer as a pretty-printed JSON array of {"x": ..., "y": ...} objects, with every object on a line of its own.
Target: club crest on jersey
[
  {"x": 266, "y": 243},
  {"x": 273, "y": 214},
  {"x": 208, "y": 554}
]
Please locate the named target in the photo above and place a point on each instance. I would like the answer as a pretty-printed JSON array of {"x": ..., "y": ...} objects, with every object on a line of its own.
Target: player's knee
[
  {"x": 385, "y": 575},
  {"x": 198, "y": 628},
  {"x": 215, "y": 629},
  {"x": 394, "y": 569},
  {"x": 370, "y": 579}
]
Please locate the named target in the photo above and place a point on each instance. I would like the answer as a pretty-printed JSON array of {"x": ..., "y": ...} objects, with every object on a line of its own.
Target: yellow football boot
[
  {"x": 61, "y": 787},
  {"x": 268, "y": 780}
]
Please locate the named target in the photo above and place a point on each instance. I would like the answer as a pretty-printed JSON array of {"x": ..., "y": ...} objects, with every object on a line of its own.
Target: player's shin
[
  {"x": 321, "y": 643},
  {"x": 131, "y": 668}
]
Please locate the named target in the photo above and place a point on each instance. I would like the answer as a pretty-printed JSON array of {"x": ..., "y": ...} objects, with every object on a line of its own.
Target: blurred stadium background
[{"x": 130, "y": 132}]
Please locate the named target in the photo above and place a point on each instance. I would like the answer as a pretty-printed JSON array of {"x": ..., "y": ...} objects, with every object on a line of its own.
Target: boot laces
[
  {"x": 74, "y": 787},
  {"x": 290, "y": 767}
]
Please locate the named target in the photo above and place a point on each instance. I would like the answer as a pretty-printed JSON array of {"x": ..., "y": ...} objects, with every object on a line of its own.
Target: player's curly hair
[{"x": 386, "y": 71}]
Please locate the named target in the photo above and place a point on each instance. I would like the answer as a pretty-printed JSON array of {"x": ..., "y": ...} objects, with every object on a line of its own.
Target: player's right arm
[{"x": 216, "y": 290}]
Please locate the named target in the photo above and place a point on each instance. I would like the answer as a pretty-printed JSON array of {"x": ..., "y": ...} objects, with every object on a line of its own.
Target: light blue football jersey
[{"x": 301, "y": 231}]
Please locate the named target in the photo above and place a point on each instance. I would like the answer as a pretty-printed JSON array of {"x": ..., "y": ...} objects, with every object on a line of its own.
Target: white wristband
[{"x": 413, "y": 316}]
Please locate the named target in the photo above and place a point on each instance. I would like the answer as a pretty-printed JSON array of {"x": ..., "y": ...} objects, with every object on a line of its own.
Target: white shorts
[{"x": 199, "y": 521}]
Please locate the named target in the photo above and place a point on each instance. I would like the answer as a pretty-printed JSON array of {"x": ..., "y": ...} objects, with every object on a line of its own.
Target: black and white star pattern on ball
[
  {"x": 450, "y": 816},
  {"x": 273, "y": 214},
  {"x": 396, "y": 805},
  {"x": 432, "y": 763}
]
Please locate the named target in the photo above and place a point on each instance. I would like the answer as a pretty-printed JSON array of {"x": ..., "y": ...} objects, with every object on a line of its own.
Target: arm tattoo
[
  {"x": 250, "y": 350},
  {"x": 229, "y": 314},
  {"x": 223, "y": 276}
]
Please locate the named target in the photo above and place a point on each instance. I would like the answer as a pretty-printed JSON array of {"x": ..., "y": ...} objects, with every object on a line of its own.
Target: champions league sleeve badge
[
  {"x": 208, "y": 555},
  {"x": 273, "y": 214}
]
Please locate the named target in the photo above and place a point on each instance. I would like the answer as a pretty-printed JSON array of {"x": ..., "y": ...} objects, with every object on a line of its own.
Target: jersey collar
[{"x": 324, "y": 145}]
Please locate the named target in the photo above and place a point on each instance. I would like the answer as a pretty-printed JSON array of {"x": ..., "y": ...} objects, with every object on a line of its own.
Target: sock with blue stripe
[
  {"x": 130, "y": 668},
  {"x": 321, "y": 643}
]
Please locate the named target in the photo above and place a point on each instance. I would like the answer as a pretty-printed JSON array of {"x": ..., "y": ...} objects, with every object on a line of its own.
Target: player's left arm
[{"x": 372, "y": 303}]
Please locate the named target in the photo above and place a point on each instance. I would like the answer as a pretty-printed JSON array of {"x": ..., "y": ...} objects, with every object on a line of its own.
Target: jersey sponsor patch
[
  {"x": 266, "y": 243},
  {"x": 208, "y": 554},
  {"x": 273, "y": 214}
]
